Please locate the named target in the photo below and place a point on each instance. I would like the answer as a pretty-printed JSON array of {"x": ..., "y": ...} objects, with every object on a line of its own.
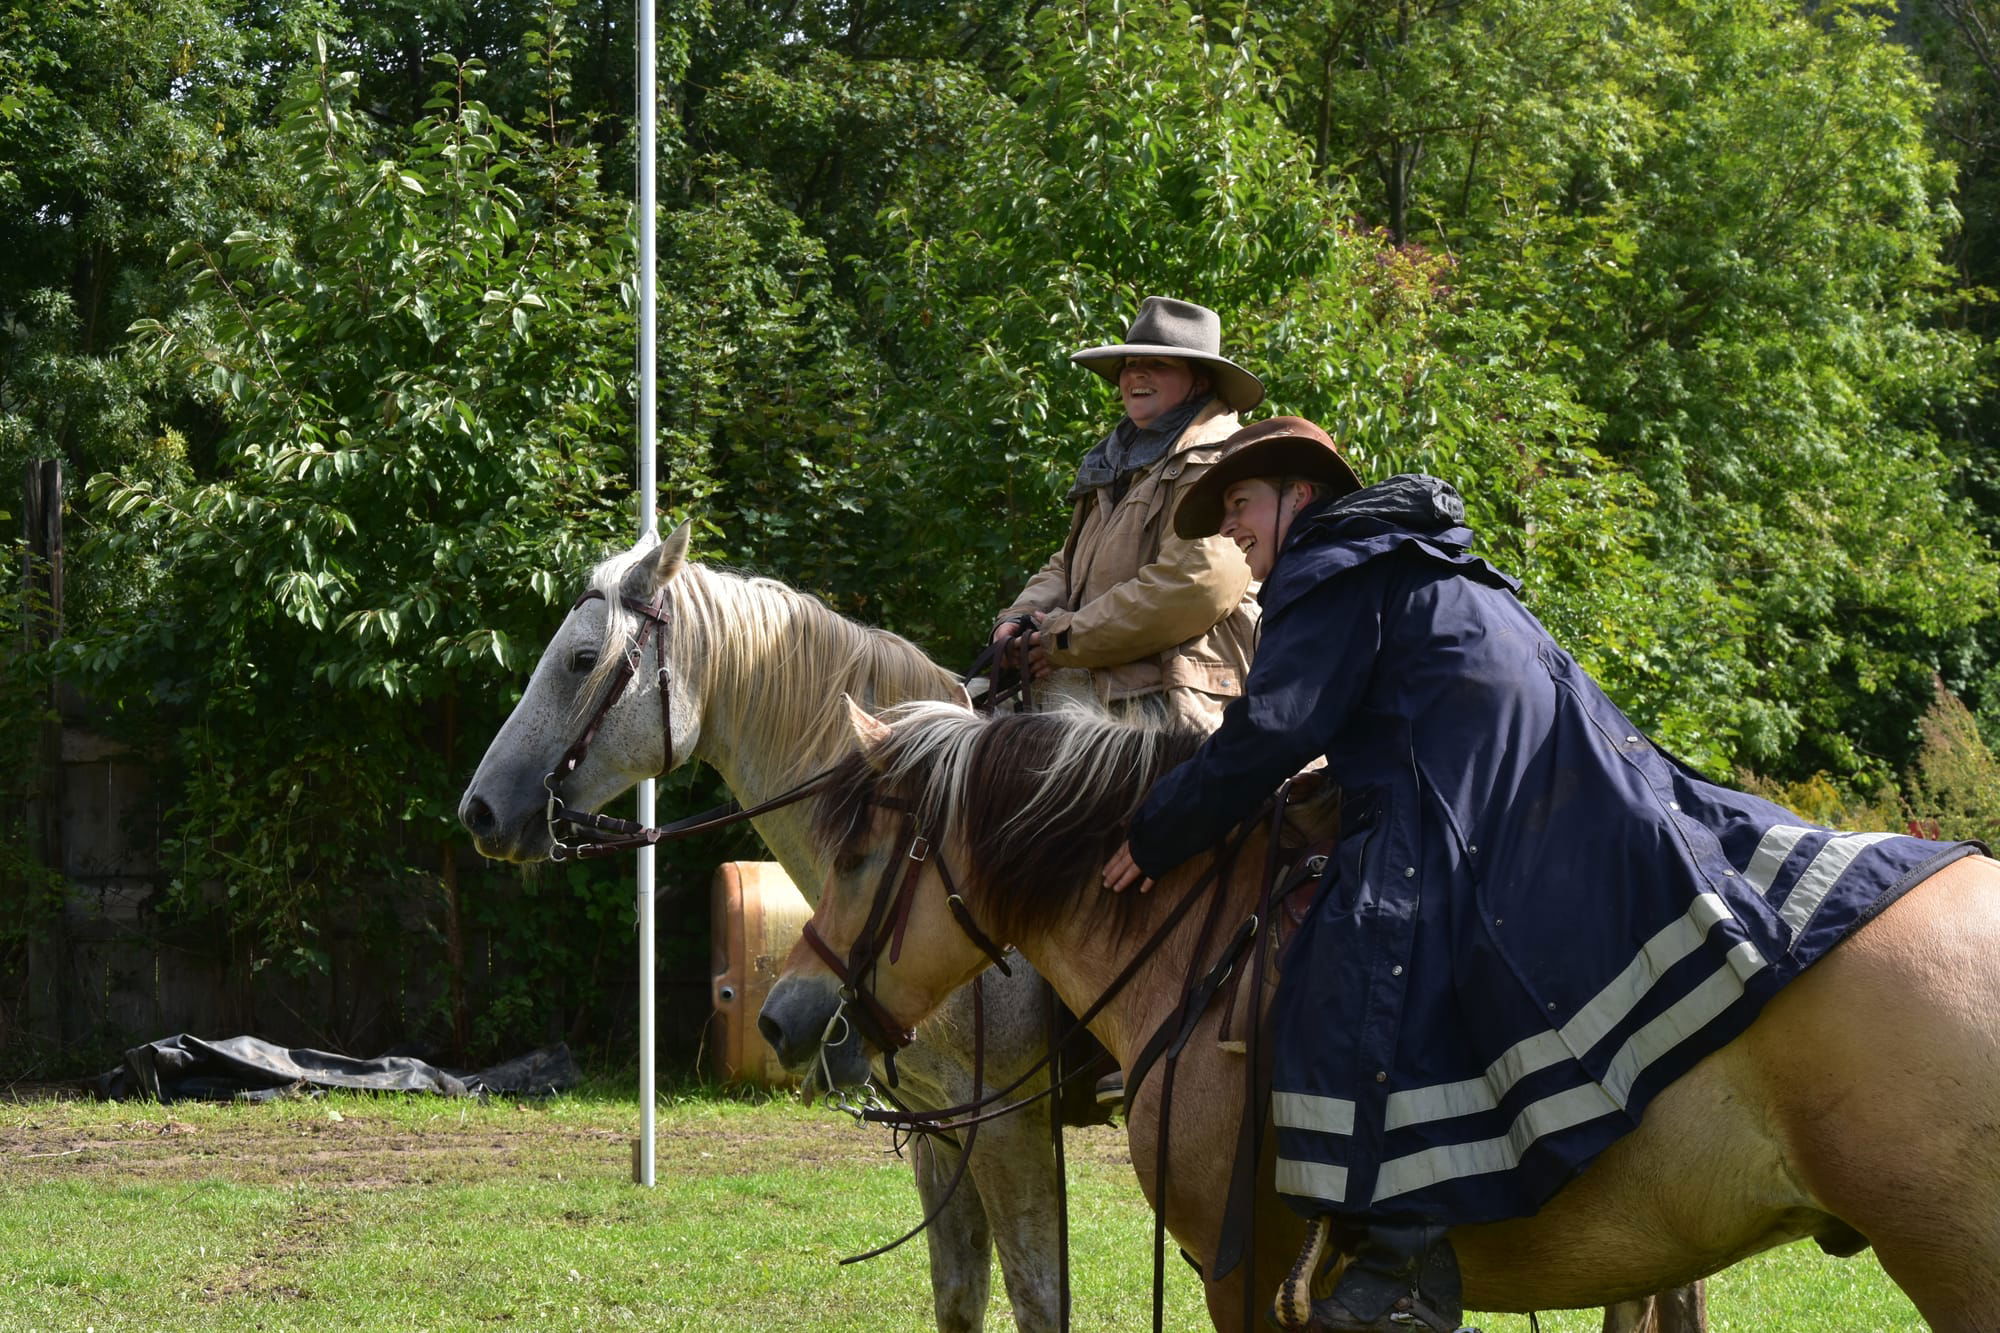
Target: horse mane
[
  {"x": 775, "y": 659},
  {"x": 1037, "y": 801}
]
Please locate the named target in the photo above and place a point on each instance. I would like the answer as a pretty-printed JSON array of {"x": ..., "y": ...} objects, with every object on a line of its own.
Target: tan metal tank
[{"x": 755, "y": 917}]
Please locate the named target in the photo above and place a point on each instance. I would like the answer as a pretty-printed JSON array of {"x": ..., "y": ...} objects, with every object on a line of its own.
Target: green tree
[
  {"x": 1753, "y": 304},
  {"x": 1142, "y": 151},
  {"x": 1720, "y": 227},
  {"x": 422, "y": 373},
  {"x": 122, "y": 128}
]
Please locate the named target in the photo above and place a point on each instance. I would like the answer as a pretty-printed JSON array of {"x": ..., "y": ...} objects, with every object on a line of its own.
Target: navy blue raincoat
[{"x": 1534, "y": 920}]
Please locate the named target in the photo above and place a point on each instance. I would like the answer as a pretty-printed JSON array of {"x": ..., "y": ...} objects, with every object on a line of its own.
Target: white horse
[{"x": 756, "y": 673}]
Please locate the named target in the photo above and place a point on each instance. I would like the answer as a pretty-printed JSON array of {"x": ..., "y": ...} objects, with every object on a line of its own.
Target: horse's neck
[
  {"x": 1081, "y": 960},
  {"x": 752, "y": 777},
  {"x": 755, "y": 773}
]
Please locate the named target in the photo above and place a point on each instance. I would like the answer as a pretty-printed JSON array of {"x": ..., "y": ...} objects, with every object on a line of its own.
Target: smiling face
[
  {"x": 1153, "y": 385},
  {"x": 1256, "y": 517}
]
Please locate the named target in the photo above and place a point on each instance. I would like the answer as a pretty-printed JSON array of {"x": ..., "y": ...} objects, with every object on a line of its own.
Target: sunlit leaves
[{"x": 423, "y": 429}]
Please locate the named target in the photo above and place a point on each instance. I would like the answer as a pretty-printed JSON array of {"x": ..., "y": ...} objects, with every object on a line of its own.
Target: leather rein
[{"x": 883, "y": 932}]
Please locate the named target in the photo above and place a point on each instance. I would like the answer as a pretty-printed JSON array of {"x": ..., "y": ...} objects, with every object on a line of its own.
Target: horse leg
[
  {"x": 1956, "y": 1290},
  {"x": 1931, "y": 1221},
  {"x": 1928, "y": 1212},
  {"x": 960, "y": 1243},
  {"x": 1892, "y": 1099},
  {"x": 1682, "y": 1310},
  {"x": 1015, "y": 1169}
]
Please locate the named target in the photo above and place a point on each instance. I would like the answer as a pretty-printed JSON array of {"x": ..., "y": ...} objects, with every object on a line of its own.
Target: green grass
[{"x": 353, "y": 1212}]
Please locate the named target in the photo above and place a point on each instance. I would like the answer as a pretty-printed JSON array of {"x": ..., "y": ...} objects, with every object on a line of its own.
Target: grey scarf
[{"x": 1130, "y": 449}]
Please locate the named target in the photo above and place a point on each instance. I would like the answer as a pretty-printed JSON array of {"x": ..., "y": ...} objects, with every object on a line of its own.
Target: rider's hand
[
  {"x": 1006, "y": 630},
  {"x": 1121, "y": 872},
  {"x": 1039, "y": 665}
]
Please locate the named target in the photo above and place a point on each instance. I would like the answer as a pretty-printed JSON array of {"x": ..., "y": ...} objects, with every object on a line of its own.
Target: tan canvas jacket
[{"x": 1145, "y": 610}]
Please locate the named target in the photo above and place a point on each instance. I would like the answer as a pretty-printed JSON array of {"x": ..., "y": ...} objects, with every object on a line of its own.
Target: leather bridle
[
  {"x": 656, "y": 617},
  {"x": 888, "y": 919},
  {"x": 605, "y": 835},
  {"x": 888, "y": 916}
]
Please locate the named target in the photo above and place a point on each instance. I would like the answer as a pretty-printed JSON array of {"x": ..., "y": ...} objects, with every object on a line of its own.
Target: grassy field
[{"x": 352, "y": 1212}]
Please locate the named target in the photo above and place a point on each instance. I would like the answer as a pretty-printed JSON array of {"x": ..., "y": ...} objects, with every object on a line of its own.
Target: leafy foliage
[
  {"x": 421, "y": 372},
  {"x": 1677, "y": 294},
  {"x": 1143, "y": 153},
  {"x": 1721, "y": 230}
]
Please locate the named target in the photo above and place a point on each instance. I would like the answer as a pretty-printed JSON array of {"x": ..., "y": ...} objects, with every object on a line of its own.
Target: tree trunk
[
  {"x": 448, "y": 874},
  {"x": 42, "y": 579}
]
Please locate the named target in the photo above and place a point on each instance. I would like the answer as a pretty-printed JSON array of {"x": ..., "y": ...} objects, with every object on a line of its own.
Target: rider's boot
[
  {"x": 1399, "y": 1276},
  {"x": 1396, "y": 1278}
]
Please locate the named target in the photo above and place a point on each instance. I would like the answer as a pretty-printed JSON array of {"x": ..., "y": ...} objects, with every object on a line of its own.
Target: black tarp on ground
[{"x": 186, "y": 1068}]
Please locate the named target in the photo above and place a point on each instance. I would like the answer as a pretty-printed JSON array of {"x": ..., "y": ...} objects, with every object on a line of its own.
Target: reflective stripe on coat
[{"x": 1535, "y": 919}]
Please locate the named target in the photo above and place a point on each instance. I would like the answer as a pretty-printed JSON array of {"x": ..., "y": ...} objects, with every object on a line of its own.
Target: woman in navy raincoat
[{"x": 1535, "y": 919}]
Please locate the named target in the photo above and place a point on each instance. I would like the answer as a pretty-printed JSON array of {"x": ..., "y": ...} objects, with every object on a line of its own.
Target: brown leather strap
[
  {"x": 913, "y": 869},
  {"x": 965, "y": 1149},
  {"x": 1193, "y": 1004},
  {"x": 977, "y": 1112},
  {"x": 658, "y": 618},
  {"x": 880, "y": 1026},
  {"x": 1054, "y": 1041},
  {"x": 962, "y": 914}
]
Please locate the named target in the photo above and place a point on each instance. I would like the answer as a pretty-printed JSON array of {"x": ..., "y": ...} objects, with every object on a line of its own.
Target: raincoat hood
[{"x": 1407, "y": 512}]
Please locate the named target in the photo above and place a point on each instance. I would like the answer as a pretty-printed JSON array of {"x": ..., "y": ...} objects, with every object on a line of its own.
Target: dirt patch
[
  {"x": 270, "y": 1274},
  {"x": 23, "y": 1091},
  {"x": 357, "y": 1152},
  {"x": 346, "y": 1150}
]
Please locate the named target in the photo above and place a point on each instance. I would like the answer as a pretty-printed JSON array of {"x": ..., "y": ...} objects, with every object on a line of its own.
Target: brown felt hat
[
  {"x": 1282, "y": 448},
  {"x": 1166, "y": 327}
]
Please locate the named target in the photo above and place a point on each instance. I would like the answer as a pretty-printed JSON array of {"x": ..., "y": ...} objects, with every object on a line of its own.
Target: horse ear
[
  {"x": 961, "y": 698},
  {"x": 655, "y": 569},
  {"x": 869, "y": 731}
]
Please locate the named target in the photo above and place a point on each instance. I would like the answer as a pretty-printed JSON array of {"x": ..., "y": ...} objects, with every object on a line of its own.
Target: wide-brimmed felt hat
[
  {"x": 1282, "y": 449},
  {"x": 1166, "y": 327}
]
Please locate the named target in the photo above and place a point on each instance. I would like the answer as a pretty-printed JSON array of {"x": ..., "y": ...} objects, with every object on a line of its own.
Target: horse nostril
[
  {"x": 774, "y": 1034},
  {"x": 478, "y": 816}
]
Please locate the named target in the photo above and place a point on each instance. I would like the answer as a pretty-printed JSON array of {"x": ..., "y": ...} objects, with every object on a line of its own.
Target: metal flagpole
[{"x": 642, "y": 1166}]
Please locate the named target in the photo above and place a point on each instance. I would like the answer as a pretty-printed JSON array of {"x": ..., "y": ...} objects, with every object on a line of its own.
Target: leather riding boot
[{"x": 1400, "y": 1277}]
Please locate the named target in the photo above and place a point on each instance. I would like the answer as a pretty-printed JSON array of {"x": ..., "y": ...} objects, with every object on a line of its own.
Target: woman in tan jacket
[{"x": 1144, "y": 616}]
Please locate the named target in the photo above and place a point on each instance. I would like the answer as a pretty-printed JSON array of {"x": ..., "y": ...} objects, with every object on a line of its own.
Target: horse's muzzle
[
  {"x": 805, "y": 1022},
  {"x": 522, "y": 839}
]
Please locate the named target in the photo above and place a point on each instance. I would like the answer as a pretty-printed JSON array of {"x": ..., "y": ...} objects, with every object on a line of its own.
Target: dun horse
[
  {"x": 754, "y": 675},
  {"x": 1858, "y": 1108}
]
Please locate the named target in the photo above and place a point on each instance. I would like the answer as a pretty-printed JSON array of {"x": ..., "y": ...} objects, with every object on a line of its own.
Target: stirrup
[{"x": 1293, "y": 1308}]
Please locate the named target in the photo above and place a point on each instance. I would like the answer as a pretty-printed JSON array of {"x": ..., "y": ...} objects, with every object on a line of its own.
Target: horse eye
[{"x": 582, "y": 660}]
